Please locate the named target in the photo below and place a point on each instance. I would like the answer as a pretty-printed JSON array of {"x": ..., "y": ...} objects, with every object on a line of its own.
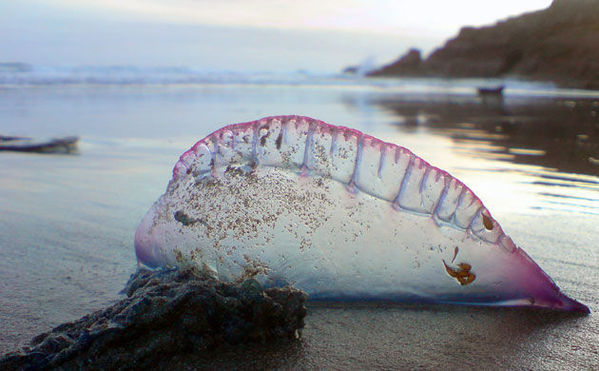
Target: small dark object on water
[
  {"x": 55, "y": 145},
  {"x": 166, "y": 314},
  {"x": 488, "y": 91}
]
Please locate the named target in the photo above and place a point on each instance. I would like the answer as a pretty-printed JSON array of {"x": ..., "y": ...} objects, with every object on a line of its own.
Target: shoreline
[{"x": 514, "y": 87}]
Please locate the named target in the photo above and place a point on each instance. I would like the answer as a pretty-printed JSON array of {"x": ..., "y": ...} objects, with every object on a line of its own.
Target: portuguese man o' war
[{"x": 338, "y": 214}]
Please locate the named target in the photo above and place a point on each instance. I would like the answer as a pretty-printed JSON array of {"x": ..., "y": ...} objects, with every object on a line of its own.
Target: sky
[{"x": 239, "y": 35}]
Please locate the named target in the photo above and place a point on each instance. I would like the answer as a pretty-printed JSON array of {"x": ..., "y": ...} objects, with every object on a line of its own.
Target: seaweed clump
[{"x": 167, "y": 314}]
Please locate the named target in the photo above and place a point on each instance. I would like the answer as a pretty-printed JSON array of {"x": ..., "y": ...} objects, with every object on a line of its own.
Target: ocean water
[{"x": 67, "y": 221}]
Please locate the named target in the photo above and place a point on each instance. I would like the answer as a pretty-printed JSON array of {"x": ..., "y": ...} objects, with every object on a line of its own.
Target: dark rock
[
  {"x": 555, "y": 44},
  {"x": 350, "y": 70},
  {"x": 166, "y": 314},
  {"x": 410, "y": 64}
]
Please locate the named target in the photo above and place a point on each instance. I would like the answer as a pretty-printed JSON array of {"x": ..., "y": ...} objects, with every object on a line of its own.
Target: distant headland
[{"x": 558, "y": 44}]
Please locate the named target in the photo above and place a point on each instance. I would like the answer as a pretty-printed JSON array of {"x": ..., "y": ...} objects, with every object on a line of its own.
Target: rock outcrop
[
  {"x": 560, "y": 44},
  {"x": 166, "y": 314},
  {"x": 410, "y": 64}
]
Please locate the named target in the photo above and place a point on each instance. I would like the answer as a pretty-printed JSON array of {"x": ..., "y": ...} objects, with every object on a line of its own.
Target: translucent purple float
[{"x": 339, "y": 214}]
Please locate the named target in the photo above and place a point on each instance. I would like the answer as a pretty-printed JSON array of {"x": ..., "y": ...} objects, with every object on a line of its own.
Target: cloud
[{"x": 399, "y": 16}]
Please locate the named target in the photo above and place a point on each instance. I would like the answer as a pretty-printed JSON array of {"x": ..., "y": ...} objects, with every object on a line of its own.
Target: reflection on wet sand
[
  {"x": 554, "y": 142},
  {"x": 553, "y": 133}
]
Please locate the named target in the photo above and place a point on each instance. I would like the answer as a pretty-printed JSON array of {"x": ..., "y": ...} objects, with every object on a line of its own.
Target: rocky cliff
[{"x": 560, "y": 44}]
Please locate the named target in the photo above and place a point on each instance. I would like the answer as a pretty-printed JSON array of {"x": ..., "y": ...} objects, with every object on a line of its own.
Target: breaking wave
[
  {"x": 15, "y": 75},
  {"x": 24, "y": 74}
]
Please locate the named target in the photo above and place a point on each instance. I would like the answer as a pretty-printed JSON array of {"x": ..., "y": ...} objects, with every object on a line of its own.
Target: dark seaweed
[{"x": 166, "y": 314}]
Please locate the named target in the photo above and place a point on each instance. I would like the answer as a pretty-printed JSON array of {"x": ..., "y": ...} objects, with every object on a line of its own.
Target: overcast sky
[{"x": 283, "y": 35}]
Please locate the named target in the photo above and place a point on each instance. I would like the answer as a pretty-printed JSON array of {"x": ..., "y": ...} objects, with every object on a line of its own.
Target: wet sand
[
  {"x": 67, "y": 222},
  {"x": 420, "y": 337}
]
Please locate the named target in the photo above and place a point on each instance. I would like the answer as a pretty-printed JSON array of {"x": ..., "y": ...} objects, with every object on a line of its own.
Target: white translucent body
[{"x": 338, "y": 214}]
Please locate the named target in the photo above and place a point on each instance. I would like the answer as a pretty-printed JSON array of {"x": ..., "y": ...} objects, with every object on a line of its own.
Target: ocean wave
[
  {"x": 20, "y": 74},
  {"x": 23, "y": 75}
]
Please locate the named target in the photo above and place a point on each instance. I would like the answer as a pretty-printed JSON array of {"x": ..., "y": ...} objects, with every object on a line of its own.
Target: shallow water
[{"x": 67, "y": 222}]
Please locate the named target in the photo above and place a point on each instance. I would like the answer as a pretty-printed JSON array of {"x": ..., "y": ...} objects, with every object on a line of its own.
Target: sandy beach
[{"x": 67, "y": 222}]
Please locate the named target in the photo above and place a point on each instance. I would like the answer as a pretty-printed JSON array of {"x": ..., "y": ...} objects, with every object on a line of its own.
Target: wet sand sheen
[
  {"x": 392, "y": 336},
  {"x": 67, "y": 223}
]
